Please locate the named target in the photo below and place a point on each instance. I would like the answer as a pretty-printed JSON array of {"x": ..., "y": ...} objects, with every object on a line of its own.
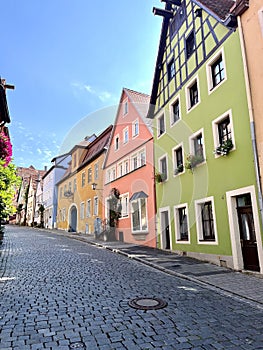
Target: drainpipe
[{"x": 251, "y": 118}]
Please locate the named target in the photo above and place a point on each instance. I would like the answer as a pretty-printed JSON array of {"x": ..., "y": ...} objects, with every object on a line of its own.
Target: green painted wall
[{"x": 217, "y": 175}]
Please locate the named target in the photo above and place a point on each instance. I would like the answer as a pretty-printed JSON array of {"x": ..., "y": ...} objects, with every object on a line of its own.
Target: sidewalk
[{"x": 241, "y": 284}]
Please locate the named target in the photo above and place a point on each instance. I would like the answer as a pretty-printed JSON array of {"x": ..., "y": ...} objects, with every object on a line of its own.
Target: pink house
[{"x": 129, "y": 168}]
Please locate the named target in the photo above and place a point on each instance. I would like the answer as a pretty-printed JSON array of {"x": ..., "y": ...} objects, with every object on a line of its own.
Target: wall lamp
[
  {"x": 94, "y": 187},
  {"x": 173, "y": 2},
  {"x": 164, "y": 13}
]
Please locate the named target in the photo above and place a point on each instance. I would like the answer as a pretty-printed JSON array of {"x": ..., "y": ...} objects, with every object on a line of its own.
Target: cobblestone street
[{"x": 60, "y": 293}]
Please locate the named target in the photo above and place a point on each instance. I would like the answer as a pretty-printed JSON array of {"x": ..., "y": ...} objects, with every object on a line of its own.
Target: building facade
[
  {"x": 79, "y": 206},
  {"x": 207, "y": 194},
  {"x": 129, "y": 168}
]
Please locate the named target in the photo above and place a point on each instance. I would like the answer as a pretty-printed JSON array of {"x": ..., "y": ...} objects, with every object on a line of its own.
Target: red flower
[{"x": 5, "y": 149}]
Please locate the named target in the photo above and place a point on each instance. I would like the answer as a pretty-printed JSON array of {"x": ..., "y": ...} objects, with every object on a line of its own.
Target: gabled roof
[
  {"x": 96, "y": 147},
  {"x": 222, "y": 10}
]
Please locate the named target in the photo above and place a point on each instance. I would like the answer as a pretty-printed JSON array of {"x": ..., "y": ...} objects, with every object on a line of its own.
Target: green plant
[
  {"x": 192, "y": 160},
  {"x": 179, "y": 169},
  {"x": 159, "y": 177},
  {"x": 224, "y": 148}
]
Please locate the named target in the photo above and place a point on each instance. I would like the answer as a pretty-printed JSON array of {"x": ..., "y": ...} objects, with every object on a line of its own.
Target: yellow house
[{"x": 80, "y": 190}]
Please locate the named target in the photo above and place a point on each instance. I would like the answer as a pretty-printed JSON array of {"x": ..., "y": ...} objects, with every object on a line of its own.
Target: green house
[{"x": 207, "y": 190}]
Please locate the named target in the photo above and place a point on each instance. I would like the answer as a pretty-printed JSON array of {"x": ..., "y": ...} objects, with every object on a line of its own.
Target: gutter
[{"x": 251, "y": 119}]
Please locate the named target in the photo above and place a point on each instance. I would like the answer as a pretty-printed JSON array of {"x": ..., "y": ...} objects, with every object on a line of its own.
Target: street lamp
[{"x": 94, "y": 187}]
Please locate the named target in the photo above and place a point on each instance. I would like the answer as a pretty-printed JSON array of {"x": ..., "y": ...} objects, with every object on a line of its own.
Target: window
[
  {"x": 224, "y": 130},
  {"x": 74, "y": 185},
  {"x": 117, "y": 143},
  {"x": 83, "y": 179},
  {"x": 223, "y": 134},
  {"x": 89, "y": 175},
  {"x": 163, "y": 168},
  {"x": 193, "y": 94},
  {"x": 111, "y": 174},
  {"x": 218, "y": 71},
  {"x": 69, "y": 187},
  {"x": 181, "y": 223},
  {"x": 139, "y": 215},
  {"x": 88, "y": 211},
  {"x": 96, "y": 171},
  {"x": 125, "y": 135},
  {"x": 126, "y": 166},
  {"x": 178, "y": 19},
  {"x": 178, "y": 160},
  {"x": 198, "y": 145},
  {"x": 96, "y": 206},
  {"x": 120, "y": 169},
  {"x": 124, "y": 205},
  {"x": 160, "y": 126},
  {"x": 125, "y": 107},
  {"x": 142, "y": 158},
  {"x": 61, "y": 191},
  {"x": 215, "y": 70},
  {"x": 190, "y": 44},
  {"x": 82, "y": 210},
  {"x": 134, "y": 162},
  {"x": 175, "y": 112},
  {"x": 135, "y": 128},
  {"x": 64, "y": 214},
  {"x": 206, "y": 227},
  {"x": 171, "y": 70}
]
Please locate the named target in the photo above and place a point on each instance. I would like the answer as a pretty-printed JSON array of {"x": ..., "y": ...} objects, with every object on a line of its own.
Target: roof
[
  {"x": 95, "y": 148},
  {"x": 222, "y": 10},
  {"x": 141, "y": 104}
]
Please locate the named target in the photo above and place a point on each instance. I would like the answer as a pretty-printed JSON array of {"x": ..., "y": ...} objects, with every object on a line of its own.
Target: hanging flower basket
[
  {"x": 5, "y": 149},
  {"x": 159, "y": 177},
  {"x": 179, "y": 169}
]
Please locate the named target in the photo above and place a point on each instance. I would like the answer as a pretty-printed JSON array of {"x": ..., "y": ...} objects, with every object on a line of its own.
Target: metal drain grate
[{"x": 147, "y": 303}]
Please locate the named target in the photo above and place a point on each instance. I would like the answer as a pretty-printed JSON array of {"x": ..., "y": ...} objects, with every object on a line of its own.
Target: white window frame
[
  {"x": 177, "y": 224},
  {"x": 120, "y": 171},
  {"x": 124, "y": 205},
  {"x": 140, "y": 211},
  {"x": 180, "y": 145},
  {"x": 125, "y": 106},
  {"x": 164, "y": 156},
  {"x": 117, "y": 144},
  {"x": 96, "y": 171},
  {"x": 209, "y": 74},
  {"x": 189, "y": 108},
  {"x": 177, "y": 99},
  {"x": 95, "y": 206},
  {"x": 134, "y": 156},
  {"x": 83, "y": 179},
  {"x": 88, "y": 208},
  {"x": 162, "y": 115},
  {"x": 215, "y": 123},
  {"x": 191, "y": 144},
  {"x": 125, "y": 133},
  {"x": 198, "y": 217},
  {"x": 82, "y": 210},
  {"x": 135, "y": 128}
]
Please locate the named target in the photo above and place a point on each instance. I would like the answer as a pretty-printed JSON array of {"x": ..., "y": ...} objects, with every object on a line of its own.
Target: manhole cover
[
  {"x": 147, "y": 303},
  {"x": 77, "y": 345}
]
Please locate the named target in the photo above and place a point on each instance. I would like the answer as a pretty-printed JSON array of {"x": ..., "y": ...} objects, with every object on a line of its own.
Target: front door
[
  {"x": 165, "y": 230},
  {"x": 73, "y": 219},
  {"x": 247, "y": 233}
]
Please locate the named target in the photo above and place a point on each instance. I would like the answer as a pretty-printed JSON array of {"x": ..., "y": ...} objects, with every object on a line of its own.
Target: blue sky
[{"x": 69, "y": 60}]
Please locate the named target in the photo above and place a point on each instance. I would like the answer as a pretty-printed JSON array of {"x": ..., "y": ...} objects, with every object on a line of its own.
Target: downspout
[{"x": 251, "y": 118}]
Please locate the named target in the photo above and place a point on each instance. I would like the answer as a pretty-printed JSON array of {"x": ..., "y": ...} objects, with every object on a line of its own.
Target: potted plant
[
  {"x": 224, "y": 148},
  {"x": 179, "y": 169},
  {"x": 192, "y": 160},
  {"x": 159, "y": 177}
]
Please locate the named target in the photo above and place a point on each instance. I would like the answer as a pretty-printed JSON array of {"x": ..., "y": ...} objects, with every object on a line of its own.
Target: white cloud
[{"x": 102, "y": 95}]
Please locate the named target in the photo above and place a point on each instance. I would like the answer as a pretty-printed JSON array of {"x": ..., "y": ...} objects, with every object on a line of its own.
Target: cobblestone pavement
[{"x": 60, "y": 293}]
